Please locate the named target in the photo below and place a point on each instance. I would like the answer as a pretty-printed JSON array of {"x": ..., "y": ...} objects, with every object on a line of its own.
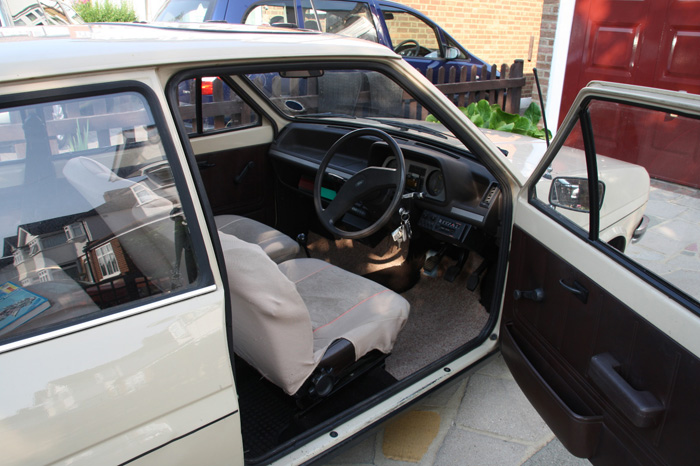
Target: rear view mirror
[
  {"x": 301, "y": 74},
  {"x": 573, "y": 194}
]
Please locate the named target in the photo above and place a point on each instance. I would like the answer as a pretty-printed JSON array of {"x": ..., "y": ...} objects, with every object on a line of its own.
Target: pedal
[
  {"x": 475, "y": 276},
  {"x": 473, "y": 281},
  {"x": 431, "y": 263},
  {"x": 453, "y": 272}
]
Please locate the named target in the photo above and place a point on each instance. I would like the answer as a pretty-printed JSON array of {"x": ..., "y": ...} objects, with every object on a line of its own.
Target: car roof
[{"x": 46, "y": 51}]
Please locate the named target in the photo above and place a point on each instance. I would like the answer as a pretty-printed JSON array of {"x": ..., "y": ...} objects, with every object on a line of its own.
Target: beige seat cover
[
  {"x": 286, "y": 316},
  {"x": 276, "y": 244}
]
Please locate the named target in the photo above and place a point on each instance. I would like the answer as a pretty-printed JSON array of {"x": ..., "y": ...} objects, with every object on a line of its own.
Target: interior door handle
[
  {"x": 640, "y": 407},
  {"x": 244, "y": 172},
  {"x": 204, "y": 164},
  {"x": 577, "y": 289}
]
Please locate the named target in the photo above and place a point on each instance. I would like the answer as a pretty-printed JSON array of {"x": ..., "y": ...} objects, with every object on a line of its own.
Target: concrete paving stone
[
  {"x": 642, "y": 254},
  {"x": 672, "y": 188},
  {"x": 498, "y": 406},
  {"x": 683, "y": 261},
  {"x": 686, "y": 281},
  {"x": 360, "y": 454},
  {"x": 496, "y": 368},
  {"x": 446, "y": 397},
  {"x": 663, "y": 209},
  {"x": 670, "y": 238},
  {"x": 468, "y": 448},
  {"x": 554, "y": 454},
  {"x": 681, "y": 232}
]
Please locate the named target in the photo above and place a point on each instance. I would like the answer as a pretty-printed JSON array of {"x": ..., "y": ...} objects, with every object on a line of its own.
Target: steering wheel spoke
[{"x": 359, "y": 186}]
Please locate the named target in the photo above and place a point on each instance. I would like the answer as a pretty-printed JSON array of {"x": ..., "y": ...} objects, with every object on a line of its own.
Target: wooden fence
[{"x": 472, "y": 85}]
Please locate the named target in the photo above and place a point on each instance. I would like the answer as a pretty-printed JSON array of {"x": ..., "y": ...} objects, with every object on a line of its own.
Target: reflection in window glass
[
  {"x": 187, "y": 11},
  {"x": 350, "y": 19},
  {"x": 273, "y": 12},
  {"x": 90, "y": 219},
  {"x": 107, "y": 261}
]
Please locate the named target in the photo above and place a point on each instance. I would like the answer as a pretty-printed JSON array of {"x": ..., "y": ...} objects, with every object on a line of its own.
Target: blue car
[{"x": 408, "y": 32}]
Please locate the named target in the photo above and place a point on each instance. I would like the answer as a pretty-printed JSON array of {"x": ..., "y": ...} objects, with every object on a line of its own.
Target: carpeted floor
[{"x": 444, "y": 315}]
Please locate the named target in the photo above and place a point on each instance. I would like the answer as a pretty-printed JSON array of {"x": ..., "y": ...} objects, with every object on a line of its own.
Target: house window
[
  {"x": 107, "y": 261},
  {"x": 74, "y": 231},
  {"x": 34, "y": 247},
  {"x": 143, "y": 194},
  {"x": 44, "y": 276}
]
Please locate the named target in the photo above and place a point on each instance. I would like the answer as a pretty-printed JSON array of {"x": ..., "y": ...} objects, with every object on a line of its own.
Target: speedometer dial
[{"x": 435, "y": 183}]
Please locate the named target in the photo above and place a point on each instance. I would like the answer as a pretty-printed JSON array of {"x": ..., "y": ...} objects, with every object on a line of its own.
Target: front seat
[
  {"x": 295, "y": 321},
  {"x": 278, "y": 246}
]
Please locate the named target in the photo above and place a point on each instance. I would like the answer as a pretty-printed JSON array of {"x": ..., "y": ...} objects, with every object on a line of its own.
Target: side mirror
[
  {"x": 451, "y": 53},
  {"x": 573, "y": 194}
]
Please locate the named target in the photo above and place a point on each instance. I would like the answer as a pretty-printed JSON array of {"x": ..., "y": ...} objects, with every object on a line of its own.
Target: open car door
[{"x": 605, "y": 343}]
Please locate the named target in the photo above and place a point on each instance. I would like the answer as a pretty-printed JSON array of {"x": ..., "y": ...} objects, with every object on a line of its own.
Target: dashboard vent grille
[{"x": 490, "y": 195}]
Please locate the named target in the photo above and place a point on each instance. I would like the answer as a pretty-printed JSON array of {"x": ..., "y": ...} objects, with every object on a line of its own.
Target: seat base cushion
[{"x": 344, "y": 305}]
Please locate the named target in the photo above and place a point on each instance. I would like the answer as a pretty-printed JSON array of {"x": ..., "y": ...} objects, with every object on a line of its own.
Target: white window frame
[{"x": 106, "y": 260}]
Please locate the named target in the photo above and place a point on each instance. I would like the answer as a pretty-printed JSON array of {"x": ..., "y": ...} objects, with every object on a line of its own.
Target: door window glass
[
  {"x": 644, "y": 211},
  {"x": 220, "y": 107},
  {"x": 273, "y": 13},
  {"x": 564, "y": 186},
  {"x": 187, "y": 11},
  {"x": 92, "y": 218},
  {"x": 411, "y": 36},
  {"x": 350, "y": 19}
]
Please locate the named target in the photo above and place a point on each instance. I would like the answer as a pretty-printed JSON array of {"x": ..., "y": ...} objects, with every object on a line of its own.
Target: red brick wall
[
  {"x": 497, "y": 32},
  {"x": 550, "y": 15}
]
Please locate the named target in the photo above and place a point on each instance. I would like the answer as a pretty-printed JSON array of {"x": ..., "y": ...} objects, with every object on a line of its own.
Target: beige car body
[{"x": 83, "y": 395}]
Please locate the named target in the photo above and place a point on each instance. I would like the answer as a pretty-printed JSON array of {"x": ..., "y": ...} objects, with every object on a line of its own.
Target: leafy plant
[
  {"x": 105, "y": 12},
  {"x": 79, "y": 140},
  {"x": 485, "y": 115}
]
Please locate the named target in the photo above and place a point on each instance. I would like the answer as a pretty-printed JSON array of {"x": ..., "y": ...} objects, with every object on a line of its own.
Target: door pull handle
[
  {"x": 577, "y": 289},
  {"x": 640, "y": 407},
  {"x": 536, "y": 295},
  {"x": 244, "y": 172}
]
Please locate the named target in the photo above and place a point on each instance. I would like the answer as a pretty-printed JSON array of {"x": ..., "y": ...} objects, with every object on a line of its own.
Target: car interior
[{"x": 391, "y": 224}]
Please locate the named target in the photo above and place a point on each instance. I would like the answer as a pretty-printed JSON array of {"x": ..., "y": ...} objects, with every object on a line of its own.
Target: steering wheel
[
  {"x": 360, "y": 185},
  {"x": 403, "y": 48}
]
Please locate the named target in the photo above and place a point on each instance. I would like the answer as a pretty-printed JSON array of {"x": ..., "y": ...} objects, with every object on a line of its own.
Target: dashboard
[{"x": 457, "y": 194}]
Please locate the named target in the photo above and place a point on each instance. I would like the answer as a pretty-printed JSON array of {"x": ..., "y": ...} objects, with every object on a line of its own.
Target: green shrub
[
  {"x": 105, "y": 12},
  {"x": 485, "y": 115}
]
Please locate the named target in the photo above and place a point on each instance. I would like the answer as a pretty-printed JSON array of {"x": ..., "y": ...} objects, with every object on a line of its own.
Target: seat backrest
[{"x": 271, "y": 324}]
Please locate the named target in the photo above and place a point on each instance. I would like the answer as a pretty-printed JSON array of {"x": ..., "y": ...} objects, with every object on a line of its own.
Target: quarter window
[{"x": 208, "y": 104}]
